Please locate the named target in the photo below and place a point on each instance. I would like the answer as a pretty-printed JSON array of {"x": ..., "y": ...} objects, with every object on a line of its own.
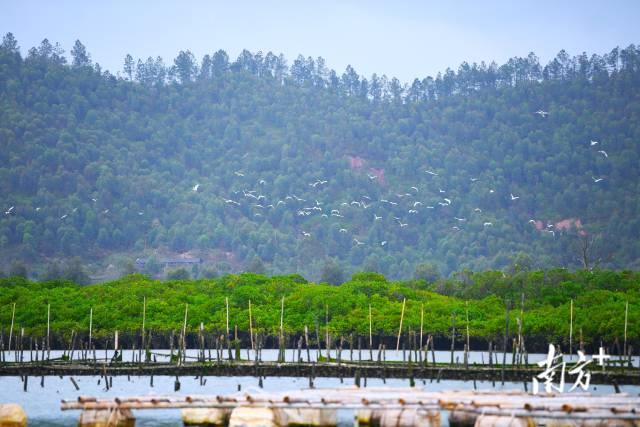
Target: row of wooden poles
[{"x": 519, "y": 352}]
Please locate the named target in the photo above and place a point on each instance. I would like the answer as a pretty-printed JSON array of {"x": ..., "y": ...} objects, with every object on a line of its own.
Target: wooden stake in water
[
  {"x": 370, "y": 329},
  {"x": 48, "y": 330},
  {"x": 404, "y": 300},
  {"x": 570, "y": 328},
  {"x": 421, "y": 323},
  {"x": 184, "y": 330},
  {"x": 326, "y": 324},
  {"x": 626, "y": 316},
  {"x": 115, "y": 347},
  {"x": 467, "y": 313},
  {"x": 251, "y": 327},
  {"x": 144, "y": 318},
  {"x": 90, "y": 325},
  {"x": 520, "y": 328},
  {"x": 13, "y": 315},
  {"x": 226, "y": 300},
  {"x": 282, "y": 319}
]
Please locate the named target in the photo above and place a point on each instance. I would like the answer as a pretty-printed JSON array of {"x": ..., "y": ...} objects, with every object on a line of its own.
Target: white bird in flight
[
  {"x": 343, "y": 230},
  {"x": 195, "y": 188},
  {"x": 604, "y": 153},
  {"x": 597, "y": 179},
  {"x": 594, "y": 142},
  {"x": 372, "y": 177},
  {"x": 487, "y": 224},
  {"x": 305, "y": 234},
  {"x": 376, "y": 217},
  {"x": 514, "y": 197},
  {"x": 357, "y": 242},
  {"x": 64, "y": 216},
  {"x": 542, "y": 113},
  {"x": 414, "y": 188},
  {"x": 477, "y": 210},
  {"x": 447, "y": 200},
  {"x": 384, "y": 242},
  {"x": 431, "y": 173},
  {"x": 238, "y": 173},
  {"x": 8, "y": 211}
]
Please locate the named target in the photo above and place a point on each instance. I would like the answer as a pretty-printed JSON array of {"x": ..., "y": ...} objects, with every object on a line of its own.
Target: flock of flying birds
[{"x": 398, "y": 209}]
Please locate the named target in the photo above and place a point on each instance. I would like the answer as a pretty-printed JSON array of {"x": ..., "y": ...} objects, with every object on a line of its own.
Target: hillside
[{"x": 253, "y": 163}]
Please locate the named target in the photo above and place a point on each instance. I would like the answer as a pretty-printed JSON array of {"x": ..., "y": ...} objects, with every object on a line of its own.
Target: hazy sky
[{"x": 406, "y": 39}]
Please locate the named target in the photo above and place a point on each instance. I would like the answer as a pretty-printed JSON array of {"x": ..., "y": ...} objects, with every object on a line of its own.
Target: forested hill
[{"x": 254, "y": 162}]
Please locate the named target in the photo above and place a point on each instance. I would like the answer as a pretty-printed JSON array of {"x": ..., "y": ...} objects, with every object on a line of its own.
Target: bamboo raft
[{"x": 373, "y": 406}]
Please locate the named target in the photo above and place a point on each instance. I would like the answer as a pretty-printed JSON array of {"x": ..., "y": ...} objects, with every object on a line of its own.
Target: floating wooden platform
[
  {"x": 378, "y": 406},
  {"x": 312, "y": 370}
]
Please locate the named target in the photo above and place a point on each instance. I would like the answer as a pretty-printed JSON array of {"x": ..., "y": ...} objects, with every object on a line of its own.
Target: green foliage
[
  {"x": 367, "y": 276},
  {"x": 427, "y": 271},
  {"x": 599, "y": 300},
  {"x": 331, "y": 273},
  {"x": 178, "y": 274},
  {"x": 97, "y": 165}
]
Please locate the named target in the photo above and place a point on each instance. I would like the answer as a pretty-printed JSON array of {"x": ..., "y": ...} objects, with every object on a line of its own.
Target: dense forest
[
  {"x": 253, "y": 164},
  {"x": 599, "y": 300}
]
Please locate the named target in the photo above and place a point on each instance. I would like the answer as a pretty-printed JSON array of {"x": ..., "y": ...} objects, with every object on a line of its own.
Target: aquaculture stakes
[{"x": 213, "y": 353}]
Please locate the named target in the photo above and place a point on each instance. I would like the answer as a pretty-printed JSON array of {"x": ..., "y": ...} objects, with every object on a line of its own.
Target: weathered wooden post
[
  {"x": 251, "y": 328},
  {"x": 326, "y": 323},
  {"x": 306, "y": 342},
  {"x": 183, "y": 339},
  {"x": 453, "y": 335},
  {"x": 571, "y": 328},
  {"x": 142, "y": 334},
  {"x": 468, "y": 345},
  {"x": 90, "y": 325},
  {"x": 506, "y": 338},
  {"x": 48, "y": 331},
  {"x": 421, "y": 326},
  {"x": 281, "y": 344},
  {"x": 404, "y": 300},
  {"x": 626, "y": 317},
  {"x": 227, "y": 337},
  {"x": 13, "y": 315},
  {"x": 370, "y": 335}
]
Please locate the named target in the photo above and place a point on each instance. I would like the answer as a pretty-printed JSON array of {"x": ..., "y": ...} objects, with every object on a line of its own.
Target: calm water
[
  {"x": 292, "y": 355},
  {"x": 42, "y": 404}
]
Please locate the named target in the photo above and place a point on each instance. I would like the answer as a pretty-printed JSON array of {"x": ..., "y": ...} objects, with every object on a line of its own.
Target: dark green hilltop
[{"x": 263, "y": 165}]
